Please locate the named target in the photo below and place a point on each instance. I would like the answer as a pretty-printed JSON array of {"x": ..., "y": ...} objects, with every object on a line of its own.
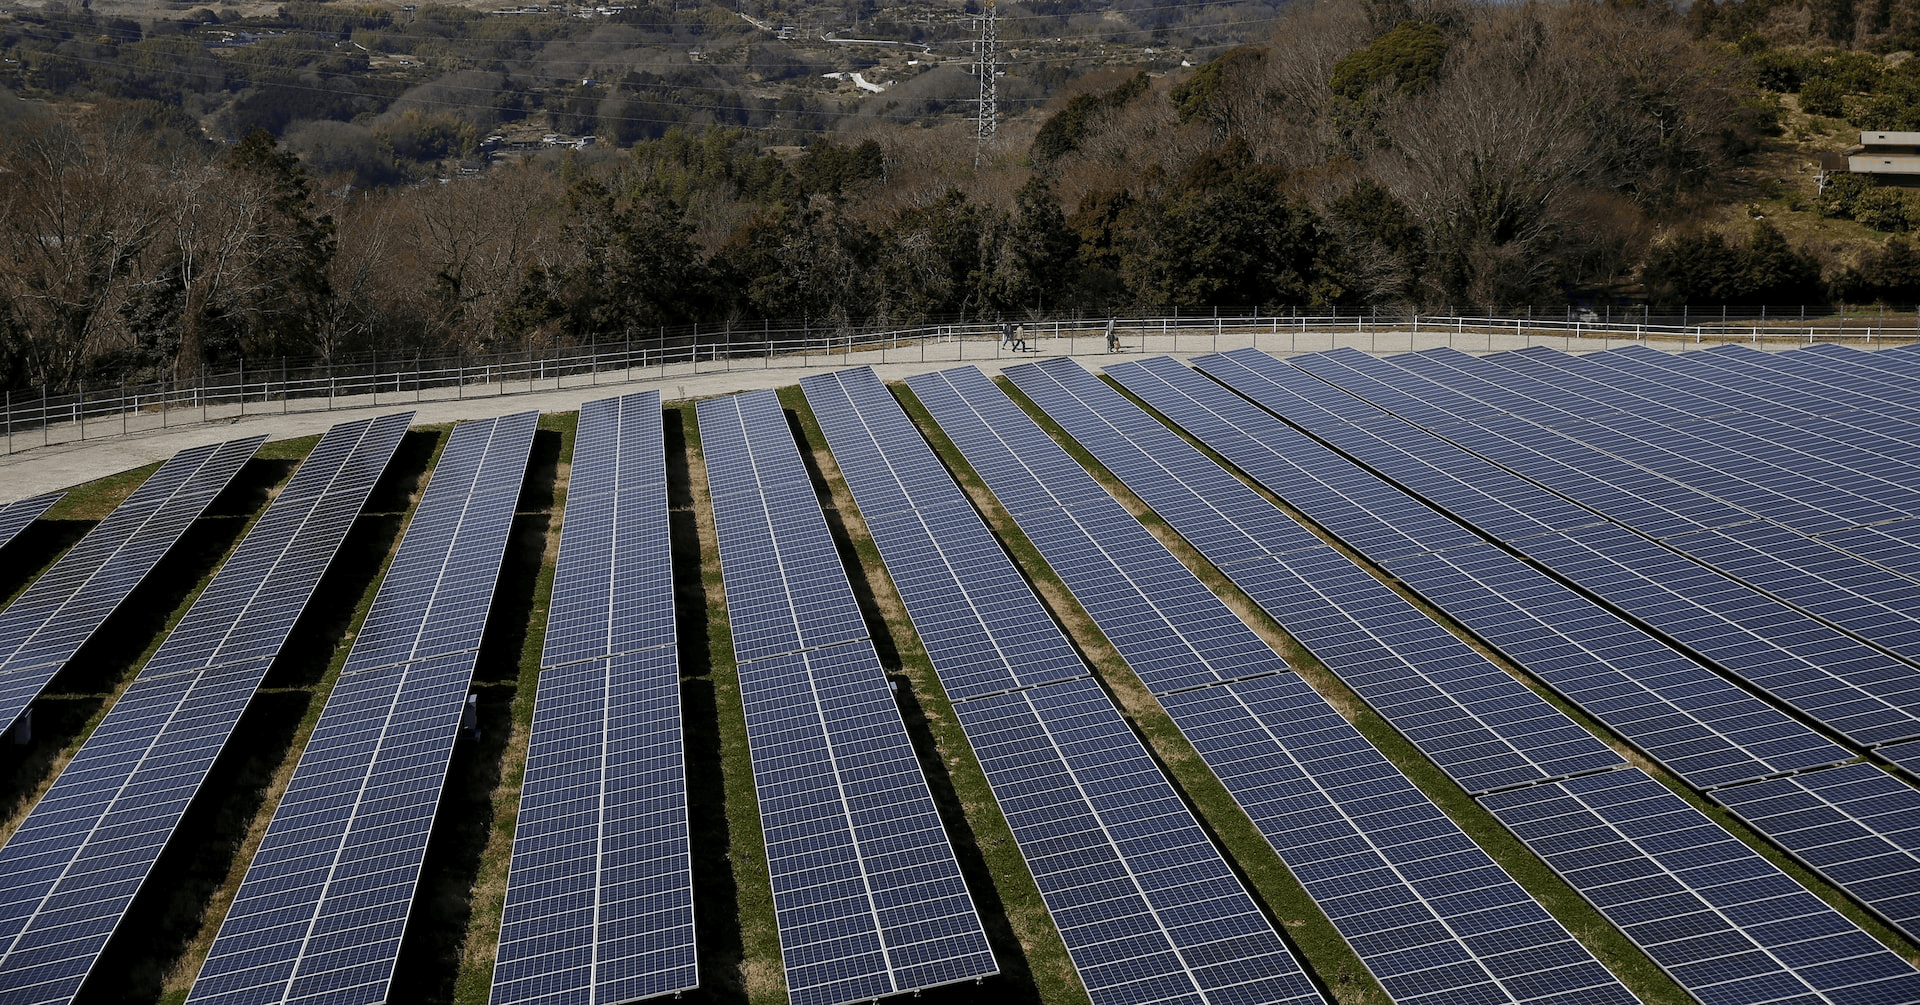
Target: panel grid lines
[
  {"x": 1107, "y": 841},
  {"x": 16, "y": 516},
  {"x": 324, "y": 904},
  {"x": 46, "y": 625},
  {"x": 1726, "y": 924},
  {"x": 88, "y": 847},
  {"x": 1479, "y": 724},
  {"x": 1253, "y": 753},
  {"x": 1852, "y": 688},
  {"x": 867, "y": 893}
]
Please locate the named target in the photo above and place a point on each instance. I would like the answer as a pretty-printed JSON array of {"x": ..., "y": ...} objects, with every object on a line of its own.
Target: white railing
[{"x": 41, "y": 416}]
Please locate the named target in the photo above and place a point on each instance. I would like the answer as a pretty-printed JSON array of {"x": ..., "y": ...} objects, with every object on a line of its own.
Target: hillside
[{"x": 314, "y": 180}]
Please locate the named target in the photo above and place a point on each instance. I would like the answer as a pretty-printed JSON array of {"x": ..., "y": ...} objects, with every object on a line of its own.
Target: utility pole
[{"x": 987, "y": 65}]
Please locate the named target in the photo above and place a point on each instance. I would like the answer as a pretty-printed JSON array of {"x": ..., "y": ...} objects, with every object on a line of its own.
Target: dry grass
[
  {"x": 180, "y": 975},
  {"x": 1033, "y": 959}
]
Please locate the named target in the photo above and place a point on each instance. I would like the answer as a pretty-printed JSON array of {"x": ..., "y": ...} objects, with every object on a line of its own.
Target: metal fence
[{"x": 43, "y": 416}]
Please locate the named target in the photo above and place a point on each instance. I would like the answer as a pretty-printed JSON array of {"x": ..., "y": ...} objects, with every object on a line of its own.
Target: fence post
[
  {"x": 164, "y": 395},
  {"x": 123, "y": 406},
  {"x": 203, "y": 391},
  {"x": 283, "y": 386},
  {"x": 46, "y": 431},
  {"x": 374, "y": 384},
  {"x": 9, "y": 420},
  {"x": 243, "y": 386},
  {"x": 80, "y": 409}
]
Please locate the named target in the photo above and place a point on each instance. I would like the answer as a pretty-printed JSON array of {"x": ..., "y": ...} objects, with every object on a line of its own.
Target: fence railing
[{"x": 41, "y": 416}]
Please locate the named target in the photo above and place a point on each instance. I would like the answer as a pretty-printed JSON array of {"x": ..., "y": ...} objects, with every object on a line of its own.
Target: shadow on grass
[
  {"x": 1015, "y": 981},
  {"x": 117, "y": 648},
  {"x": 716, "y": 894},
  {"x": 162, "y": 921},
  {"x": 428, "y": 968}
]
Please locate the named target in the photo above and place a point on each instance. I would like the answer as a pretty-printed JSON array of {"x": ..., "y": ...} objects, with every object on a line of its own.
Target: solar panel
[
  {"x": 767, "y": 515},
  {"x": 1109, "y": 871},
  {"x": 1802, "y": 408},
  {"x": 1905, "y": 756},
  {"x": 1844, "y": 379},
  {"x": 1818, "y": 579},
  {"x": 1726, "y": 924},
  {"x": 46, "y": 625},
  {"x": 1478, "y": 723},
  {"x": 1761, "y": 486},
  {"x": 599, "y": 902},
  {"x": 1428, "y": 912},
  {"x": 867, "y": 893},
  {"x": 323, "y": 906},
  {"x": 1696, "y": 723},
  {"x": 1148, "y": 909},
  {"x": 1851, "y": 464},
  {"x": 979, "y": 622},
  {"x": 1541, "y": 442},
  {"x": 16, "y": 516},
  {"x": 1835, "y": 679},
  {"x": 1854, "y": 823},
  {"x": 69, "y": 873}
]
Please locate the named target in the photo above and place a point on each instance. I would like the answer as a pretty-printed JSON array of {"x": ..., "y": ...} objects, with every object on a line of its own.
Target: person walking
[{"x": 1113, "y": 337}]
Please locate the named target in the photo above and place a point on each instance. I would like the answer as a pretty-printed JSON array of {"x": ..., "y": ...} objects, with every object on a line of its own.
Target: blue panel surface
[
  {"x": 320, "y": 914},
  {"x": 1398, "y": 659},
  {"x": 70, "y": 872},
  {"x": 46, "y": 625},
  {"x": 599, "y": 904},
  {"x": 772, "y": 534},
  {"x": 1101, "y": 863},
  {"x": 1148, "y": 909},
  {"x": 867, "y": 893},
  {"x": 1726, "y": 924},
  {"x": 16, "y": 516},
  {"x": 1427, "y": 911},
  {"x": 1852, "y": 688},
  {"x": 1854, "y": 823}
]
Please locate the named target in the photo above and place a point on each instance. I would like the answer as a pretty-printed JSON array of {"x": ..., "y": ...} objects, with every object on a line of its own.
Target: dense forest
[{"x": 1395, "y": 153}]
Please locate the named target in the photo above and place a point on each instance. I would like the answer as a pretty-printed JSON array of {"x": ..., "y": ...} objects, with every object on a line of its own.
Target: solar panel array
[
  {"x": 320, "y": 914},
  {"x": 1666, "y": 429},
  {"x": 1857, "y": 821},
  {"x": 1905, "y": 756},
  {"x": 1694, "y": 722},
  {"x": 43, "y": 628},
  {"x": 16, "y": 516},
  {"x": 1442, "y": 576},
  {"x": 1430, "y": 914},
  {"x": 1146, "y": 906},
  {"x": 71, "y": 870},
  {"x": 599, "y": 904},
  {"x": 1726, "y": 924},
  {"x": 1146, "y": 455},
  {"x": 1475, "y": 721},
  {"x": 1855, "y": 690},
  {"x": 867, "y": 894}
]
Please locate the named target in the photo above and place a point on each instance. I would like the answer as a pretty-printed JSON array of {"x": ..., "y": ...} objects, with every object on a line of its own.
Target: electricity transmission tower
[{"x": 988, "y": 67}]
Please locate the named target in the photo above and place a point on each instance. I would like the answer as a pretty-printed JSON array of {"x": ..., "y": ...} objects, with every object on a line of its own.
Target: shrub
[
  {"x": 1410, "y": 55},
  {"x": 1884, "y": 209},
  {"x": 1842, "y": 190},
  {"x": 1822, "y": 96}
]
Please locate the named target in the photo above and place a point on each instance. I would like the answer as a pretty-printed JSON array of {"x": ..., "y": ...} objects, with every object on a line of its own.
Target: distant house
[{"x": 1891, "y": 157}]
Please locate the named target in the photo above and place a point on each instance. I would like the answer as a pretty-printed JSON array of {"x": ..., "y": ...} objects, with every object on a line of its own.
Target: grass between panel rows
[
  {"x": 1034, "y": 965},
  {"x": 1606, "y": 943},
  {"x": 1832, "y": 895},
  {"x": 302, "y": 678}
]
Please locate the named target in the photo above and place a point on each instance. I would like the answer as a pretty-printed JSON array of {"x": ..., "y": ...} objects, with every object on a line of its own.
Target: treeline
[{"x": 1399, "y": 153}]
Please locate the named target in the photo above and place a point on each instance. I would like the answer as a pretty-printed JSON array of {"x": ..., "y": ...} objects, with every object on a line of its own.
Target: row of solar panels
[{"x": 868, "y": 897}]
